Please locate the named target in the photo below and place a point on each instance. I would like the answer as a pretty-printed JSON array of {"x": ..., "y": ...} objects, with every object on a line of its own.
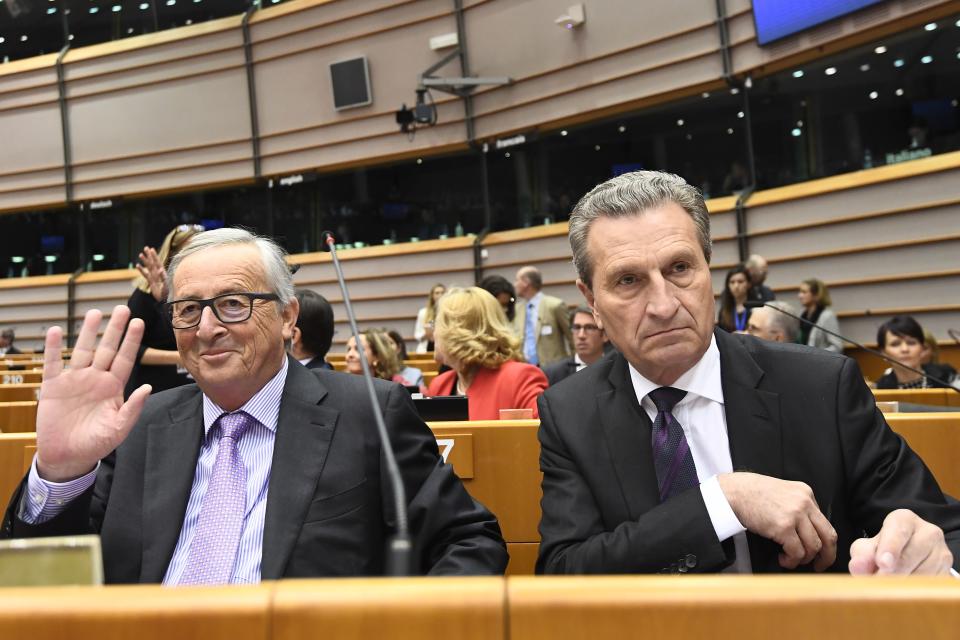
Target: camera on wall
[{"x": 423, "y": 113}]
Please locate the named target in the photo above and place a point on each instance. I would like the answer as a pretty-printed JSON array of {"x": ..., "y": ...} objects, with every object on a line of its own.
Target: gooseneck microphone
[
  {"x": 399, "y": 546},
  {"x": 753, "y": 304}
]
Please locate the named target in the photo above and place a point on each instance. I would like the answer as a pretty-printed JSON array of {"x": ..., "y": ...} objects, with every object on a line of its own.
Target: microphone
[
  {"x": 399, "y": 545},
  {"x": 753, "y": 304}
]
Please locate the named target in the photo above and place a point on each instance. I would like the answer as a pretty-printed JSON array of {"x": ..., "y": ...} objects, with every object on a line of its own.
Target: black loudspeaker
[{"x": 350, "y": 80}]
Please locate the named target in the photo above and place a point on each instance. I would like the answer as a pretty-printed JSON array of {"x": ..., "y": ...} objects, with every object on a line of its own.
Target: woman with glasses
[
  {"x": 158, "y": 362},
  {"x": 474, "y": 339}
]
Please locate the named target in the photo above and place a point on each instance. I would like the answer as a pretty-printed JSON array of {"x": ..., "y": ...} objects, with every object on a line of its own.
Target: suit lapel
[
  {"x": 304, "y": 433},
  {"x": 627, "y": 430},
  {"x": 171, "y": 460},
  {"x": 753, "y": 427}
]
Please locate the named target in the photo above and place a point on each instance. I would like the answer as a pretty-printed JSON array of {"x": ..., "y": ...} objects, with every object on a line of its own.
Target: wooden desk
[
  {"x": 20, "y": 377},
  {"x": 16, "y": 454},
  {"x": 499, "y": 463},
  {"x": 19, "y": 392},
  {"x": 18, "y": 417},
  {"x": 936, "y": 397},
  {"x": 738, "y": 607},
  {"x": 936, "y": 439},
  {"x": 138, "y": 612}
]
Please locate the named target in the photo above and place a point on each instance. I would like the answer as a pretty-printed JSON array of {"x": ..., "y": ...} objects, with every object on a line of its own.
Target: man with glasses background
[
  {"x": 589, "y": 344},
  {"x": 261, "y": 470}
]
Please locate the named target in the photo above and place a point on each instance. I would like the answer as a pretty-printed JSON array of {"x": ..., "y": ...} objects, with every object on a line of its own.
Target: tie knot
[
  {"x": 232, "y": 425},
  {"x": 666, "y": 398}
]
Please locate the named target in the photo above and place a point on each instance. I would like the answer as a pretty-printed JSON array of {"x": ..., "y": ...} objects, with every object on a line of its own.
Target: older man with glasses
[{"x": 262, "y": 470}]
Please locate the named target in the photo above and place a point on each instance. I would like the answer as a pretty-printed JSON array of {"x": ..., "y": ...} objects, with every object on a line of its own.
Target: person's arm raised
[{"x": 81, "y": 415}]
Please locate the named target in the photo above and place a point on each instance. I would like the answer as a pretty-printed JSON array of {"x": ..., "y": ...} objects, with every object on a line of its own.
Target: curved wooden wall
[{"x": 169, "y": 111}]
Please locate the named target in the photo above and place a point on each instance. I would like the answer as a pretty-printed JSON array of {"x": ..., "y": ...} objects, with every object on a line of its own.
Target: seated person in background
[
  {"x": 7, "y": 337},
  {"x": 759, "y": 292},
  {"x": 815, "y": 300},
  {"x": 408, "y": 376},
  {"x": 589, "y": 342},
  {"x": 768, "y": 323},
  {"x": 901, "y": 338},
  {"x": 381, "y": 356},
  {"x": 313, "y": 332},
  {"x": 502, "y": 289},
  {"x": 734, "y": 314},
  {"x": 931, "y": 355},
  {"x": 473, "y": 338},
  {"x": 176, "y": 483}
]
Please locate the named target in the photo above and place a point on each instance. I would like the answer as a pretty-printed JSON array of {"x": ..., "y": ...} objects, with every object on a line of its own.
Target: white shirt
[
  {"x": 581, "y": 365},
  {"x": 704, "y": 423}
]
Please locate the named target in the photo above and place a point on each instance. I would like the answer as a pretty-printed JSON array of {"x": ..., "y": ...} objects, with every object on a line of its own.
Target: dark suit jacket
[
  {"x": 792, "y": 412},
  {"x": 557, "y": 371},
  {"x": 329, "y": 508},
  {"x": 318, "y": 363}
]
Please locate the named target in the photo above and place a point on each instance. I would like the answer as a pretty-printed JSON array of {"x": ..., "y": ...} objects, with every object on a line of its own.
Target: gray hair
[
  {"x": 789, "y": 327},
  {"x": 275, "y": 269},
  {"x": 631, "y": 194},
  {"x": 532, "y": 275}
]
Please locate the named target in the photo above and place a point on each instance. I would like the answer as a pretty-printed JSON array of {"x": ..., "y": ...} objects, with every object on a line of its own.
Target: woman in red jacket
[{"x": 473, "y": 338}]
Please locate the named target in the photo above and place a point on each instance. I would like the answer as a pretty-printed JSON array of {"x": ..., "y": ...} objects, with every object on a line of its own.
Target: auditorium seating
[
  {"x": 935, "y": 397},
  {"x": 18, "y": 416}
]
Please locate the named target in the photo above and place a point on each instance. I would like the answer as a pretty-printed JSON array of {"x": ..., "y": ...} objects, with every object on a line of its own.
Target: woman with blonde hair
[
  {"x": 423, "y": 330},
  {"x": 381, "y": 356},
  {"x": 815, "y": 299},
  {"x": 158, "y": 361},
  {"x": 473, "y": 338}
]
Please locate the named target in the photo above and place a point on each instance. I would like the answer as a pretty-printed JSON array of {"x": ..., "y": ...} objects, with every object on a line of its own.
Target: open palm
[{"x": 81, "y": 415}]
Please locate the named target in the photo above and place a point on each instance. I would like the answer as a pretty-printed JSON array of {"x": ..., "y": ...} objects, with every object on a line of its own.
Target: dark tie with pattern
[{"x": 676, "y": 471}]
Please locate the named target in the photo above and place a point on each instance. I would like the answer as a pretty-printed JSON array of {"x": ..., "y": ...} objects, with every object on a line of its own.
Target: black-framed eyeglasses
[
  {"x": 589, "y": 328},
  {"x": 229, "y": 308}
]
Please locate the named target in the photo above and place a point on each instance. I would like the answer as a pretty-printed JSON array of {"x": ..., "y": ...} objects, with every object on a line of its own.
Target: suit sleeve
[
  {"x": 575, "y": 539},
  {"x": 452, "y": 533},
  {"x": 833, "y": 343},
  {"x": 884, "y": 474}
]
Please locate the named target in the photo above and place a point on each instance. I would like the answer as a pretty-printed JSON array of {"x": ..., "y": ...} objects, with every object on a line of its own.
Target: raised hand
[
  {"x": 81, "y": 415},
  {"x": 906, "y": 544},
  {"x": 785, "y": 512},
  {"x": 151, "y": 268}
]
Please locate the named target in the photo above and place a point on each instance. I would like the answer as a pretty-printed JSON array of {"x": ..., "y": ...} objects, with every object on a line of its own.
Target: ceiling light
[
  {"x": 98, "y": 257},
  {"x": 419, "y": 160},
  {"x": 705, "y": 94},
  {"x": 899, "y": 92},
  {"x": 144, "y": 6},
  {"x": 957, "y": 23},
  {"x": 799, "y": 123},
  {"x": 796, "y": 133},
  {"x": 898, "y": 63},
  {"x": 70, "y": 37},
  {"x": 2, "y": 39},
  {"x": 23, "y": 38},
  {"x": 740, "y": 114},
  {"x": 865, "y": 67},
  {"x": 880, "y": 49},
  {"x": 564, "y": 132},
  {"x": 926, "y": 59},
  {"x": 170, "y": 3},
  {"x": 16, "y": 259},
  {"x": 49, "y": 258},
  {"x": 189, "y": 21},
  {"x": 830, "y": 71},
  {"x": 734, "y": 91},
  {"x": 596, "y": 147},
  {"x": 129, "y": 30},
  {"x": 874, "y": 95},
  {"x": 94, "y": 9},
  {"x": 689, "y": 136},
  {"x": 116, "y": 8},
  {"x": 51, "y": 11},
  {"x": 798, "y": 73},
  {"x": 621, "y": 128},
  {"x": 506, "y": 155},
  {"x": 680, "y": 122},
  {"x": 730, "y": 130},
  {"x": 930, "y": 26}
]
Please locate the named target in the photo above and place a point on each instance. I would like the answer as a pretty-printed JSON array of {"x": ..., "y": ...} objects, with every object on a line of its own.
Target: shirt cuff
[
  {"x": 724, "y": 520},
  {"x": 45, "y": 500}
]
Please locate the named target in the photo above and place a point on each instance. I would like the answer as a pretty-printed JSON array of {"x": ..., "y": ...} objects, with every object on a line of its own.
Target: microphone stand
[
  {"x": 754, "y": 304},
  {"x": 399, "y": 545}
]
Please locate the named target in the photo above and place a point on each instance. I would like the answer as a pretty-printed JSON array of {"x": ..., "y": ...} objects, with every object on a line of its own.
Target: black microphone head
[{"x": 753, "y": 304}]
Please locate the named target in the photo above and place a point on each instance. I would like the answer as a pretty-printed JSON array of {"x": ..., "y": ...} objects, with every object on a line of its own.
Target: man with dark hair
[
  {"x": 542, "y": 321},
  {"x": 589, "y": 343},
  {"x": 6, "y": 342},
  {"x": 695, "y": 450},
  {"x": 313, "y": 333}
]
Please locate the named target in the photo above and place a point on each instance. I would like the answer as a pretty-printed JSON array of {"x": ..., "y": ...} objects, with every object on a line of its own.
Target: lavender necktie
[
  {"x": 213, "y": 550},
  {"x": 676, "y": 471}
]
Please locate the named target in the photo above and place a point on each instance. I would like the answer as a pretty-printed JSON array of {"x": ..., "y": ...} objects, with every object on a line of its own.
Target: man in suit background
[
  {"x": 757, "y": 267},
  {"x": 692, "y": 450},
  {"x": 589, "y": 344},
  {"x": 542, "y": 322},
  {"x": 768, "y": 323},
  {"x": 262, "y": 470},
  {"x": 7, "y": 337},
  {"x": 313, "y": 332}
]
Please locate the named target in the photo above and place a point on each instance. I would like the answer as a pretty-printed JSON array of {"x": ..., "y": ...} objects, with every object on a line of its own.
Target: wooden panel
[
  {"x": 18, "y": 416},
  {"x": 20, "y": 377},
  {"x": 13, "y": 447},
  {"x": 757, "y": 608},
  {"x": 141, "y": 612},
  {"x": 19, "y": 392},
  {"x": 506, "y": 472},
  {"x": 936, "y": 439},
  {"x": 935, "y": 397},
  {"x": 413, "y": 608},
  {"x": 523, "y": 558}
]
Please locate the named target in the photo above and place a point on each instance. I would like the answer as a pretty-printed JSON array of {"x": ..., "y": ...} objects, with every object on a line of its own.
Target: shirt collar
[
  {"x": 703, "y": 379},
  {"x": 578, "y": 360},
  {"x": 535, "y": 300},
  {"x": 264, "y": 406}
]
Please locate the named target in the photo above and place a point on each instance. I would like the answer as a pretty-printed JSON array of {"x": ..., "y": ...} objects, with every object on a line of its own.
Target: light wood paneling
[{"x": 935, "y": 437}]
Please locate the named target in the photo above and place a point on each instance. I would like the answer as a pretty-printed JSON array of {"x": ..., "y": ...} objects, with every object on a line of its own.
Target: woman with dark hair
[
  {"x": 734, "y": 314},
  {"x": 158, "y": 361},
  {"x": 902, "y": 339},
  {"x": 815, "y": 299},
  {"x": 409, "y": 376},
  {"x": 313, "y": 332},
  {"x": 502, "y": 289}
]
